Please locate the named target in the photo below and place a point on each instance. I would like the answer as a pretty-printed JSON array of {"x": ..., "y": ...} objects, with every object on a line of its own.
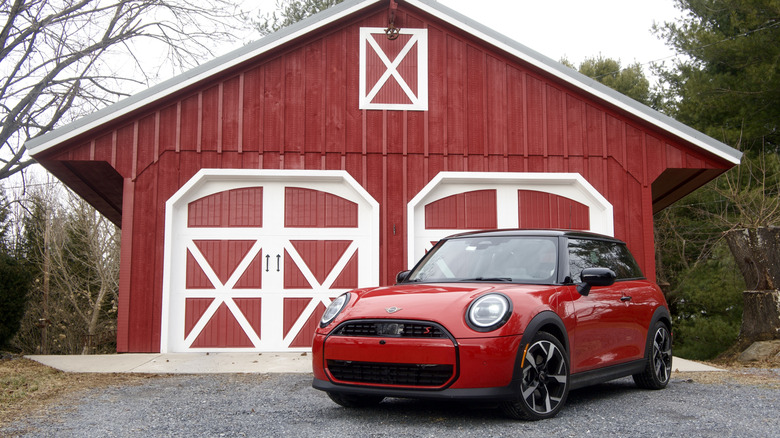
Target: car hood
[{"x": 446, "y": 304}]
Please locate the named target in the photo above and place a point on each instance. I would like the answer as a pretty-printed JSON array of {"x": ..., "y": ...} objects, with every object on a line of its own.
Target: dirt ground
[{"x": 29, "y": 387}]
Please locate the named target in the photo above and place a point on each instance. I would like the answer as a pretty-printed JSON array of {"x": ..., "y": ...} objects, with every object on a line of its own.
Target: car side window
[{"x": 588, "y": 253}]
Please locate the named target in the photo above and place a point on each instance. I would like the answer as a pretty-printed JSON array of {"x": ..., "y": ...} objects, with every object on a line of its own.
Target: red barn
[{"x": 330, "y": 155}]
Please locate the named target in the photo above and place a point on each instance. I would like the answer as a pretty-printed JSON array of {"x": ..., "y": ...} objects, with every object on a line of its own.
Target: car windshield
[{"x": 517, "y": 259}]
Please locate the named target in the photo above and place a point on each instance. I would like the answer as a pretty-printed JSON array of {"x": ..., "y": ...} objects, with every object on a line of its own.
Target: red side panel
[
  {"x": 232, "y": 208},
  {"x": 251, "y": 308},
  {"x": 222, "y": 331},
  {"x": 194, "y": 309},
  {"x": 224, "y": 255},
  {"x": 315, "y": 209},
  {"x": 464, "y": 211},
  {"x": 320, "y": 256},
  {"x": 293, "y": 308},
  {"x": 546, "y": 210},
  {"x": 196, "y": 278},
  {"x": 348, "y": 279},
  {"x": 252, "y": 278}
]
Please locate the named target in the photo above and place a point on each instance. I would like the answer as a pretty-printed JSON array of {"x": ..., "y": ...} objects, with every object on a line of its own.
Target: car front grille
[
  {"x": 391, "y": 328},
  {"x": 390, "y": 373}
]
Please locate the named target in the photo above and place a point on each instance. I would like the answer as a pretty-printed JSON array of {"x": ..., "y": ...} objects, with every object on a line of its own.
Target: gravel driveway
[{"x": 286, "y": 405}]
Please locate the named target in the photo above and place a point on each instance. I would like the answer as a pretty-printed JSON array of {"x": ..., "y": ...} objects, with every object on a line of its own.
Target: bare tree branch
[{"x": 63, "y": 58}]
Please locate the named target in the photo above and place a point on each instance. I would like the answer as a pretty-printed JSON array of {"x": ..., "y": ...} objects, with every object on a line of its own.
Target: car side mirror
[
  {"x": 595, "y": 277},
  {"x": 401, "y": 277}
]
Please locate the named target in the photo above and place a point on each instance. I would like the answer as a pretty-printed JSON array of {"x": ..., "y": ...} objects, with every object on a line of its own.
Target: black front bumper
[{"x": 509, "y": 392}]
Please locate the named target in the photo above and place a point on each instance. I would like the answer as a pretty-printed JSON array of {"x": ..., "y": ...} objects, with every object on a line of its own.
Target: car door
[{"x": 607, "y": 330}]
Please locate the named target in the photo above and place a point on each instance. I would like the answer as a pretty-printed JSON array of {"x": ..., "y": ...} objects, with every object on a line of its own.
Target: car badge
[{"x": 392, "y": 309}]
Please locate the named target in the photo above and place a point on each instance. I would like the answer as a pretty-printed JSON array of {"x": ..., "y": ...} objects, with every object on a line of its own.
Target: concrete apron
[{"x": 209, "y": 363}]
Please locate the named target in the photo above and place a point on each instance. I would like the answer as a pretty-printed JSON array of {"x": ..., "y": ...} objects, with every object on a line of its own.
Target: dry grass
[{"x": 28, "y": 387}]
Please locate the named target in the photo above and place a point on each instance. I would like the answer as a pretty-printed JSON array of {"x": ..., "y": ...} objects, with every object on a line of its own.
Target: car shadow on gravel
[{"x": 425, "y": 411}]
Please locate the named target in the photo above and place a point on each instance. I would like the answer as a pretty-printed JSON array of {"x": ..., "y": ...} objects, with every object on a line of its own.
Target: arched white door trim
[{"x": 506, "y": 184}]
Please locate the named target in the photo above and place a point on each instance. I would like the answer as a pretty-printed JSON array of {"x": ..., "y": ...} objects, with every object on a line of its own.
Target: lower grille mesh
[{"x": 390, "y": 373}]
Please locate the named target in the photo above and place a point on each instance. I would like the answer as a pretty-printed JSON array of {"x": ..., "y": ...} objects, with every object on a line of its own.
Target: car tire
[
  {"x": 545, "y": 380},
  {"x": 659, "y": 360},
  {"x": 354, "y": 400}
]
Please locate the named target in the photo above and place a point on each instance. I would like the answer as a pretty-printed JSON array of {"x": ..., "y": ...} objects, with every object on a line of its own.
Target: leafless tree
[{"x": 60, "y": 59}]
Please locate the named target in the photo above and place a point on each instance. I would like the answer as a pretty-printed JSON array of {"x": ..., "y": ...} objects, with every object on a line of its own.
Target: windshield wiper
[{"x": 487, "y": 279}]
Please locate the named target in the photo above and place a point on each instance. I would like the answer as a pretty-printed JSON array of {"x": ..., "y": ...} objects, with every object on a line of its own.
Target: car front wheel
[
  {"x": 545, "y": 383},
  {"x": 659, "y": 360}
]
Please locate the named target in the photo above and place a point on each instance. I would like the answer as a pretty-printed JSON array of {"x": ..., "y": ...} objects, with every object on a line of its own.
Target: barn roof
[{"x": 44, "y": 142}]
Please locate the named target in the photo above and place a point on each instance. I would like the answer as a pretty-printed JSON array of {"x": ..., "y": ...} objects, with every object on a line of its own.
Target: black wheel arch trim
[
  {"x": 661, "y": 314},
  {"x": 545, "y": 318}
]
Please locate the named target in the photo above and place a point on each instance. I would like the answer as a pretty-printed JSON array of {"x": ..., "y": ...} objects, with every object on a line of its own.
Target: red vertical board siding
[
  {"x": 224, "y": 256},
  {"x": 194, "y": 308},
  {"x": 273, "y": 111},
  {"x": 189, "y": 123},
  {"x": 230, "y": 120},
  {"x": 437, "y": 90},
  {"x": 464, "y": 211},
  {"x": 309, "y": 208},
  {"x": 475, "y": 77},
  {"x": 555, "y": 121},
  {"x": 143, "y": 335},
  {"x": 457, "y": 110},
  {"x": 320, "y": 256},
  {"x": 575, "y": 125},
  {"x": 306, "y": 334},
  {"x": 210, "y": 105},
  {"x": 252, "y": 278},
  {"x": 251, "y": 308},
  {"x": 515, "y": 112},
  {"x": 335, "y": 92},
  {"x": 546, "y": 210},
  {"x": 252, "y": 122},
  {"x": 534, "y": 89},
  {"x": 222, "y": 330},
  {"x": 294, "y": 103},
  {"x": 168, "y": 128}
]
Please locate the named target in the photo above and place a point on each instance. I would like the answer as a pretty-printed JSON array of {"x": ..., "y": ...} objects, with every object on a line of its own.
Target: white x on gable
[{"x": 393, "y": 73}]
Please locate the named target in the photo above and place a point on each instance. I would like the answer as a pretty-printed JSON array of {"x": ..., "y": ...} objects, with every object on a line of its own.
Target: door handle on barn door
[
  {"x": 625, "y": 298},
  {"x": 267, "y": 261},
  {"x": 278, "y": 257}
]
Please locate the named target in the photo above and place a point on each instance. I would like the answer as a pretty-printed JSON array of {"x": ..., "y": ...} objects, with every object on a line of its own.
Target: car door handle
[{"x": 625, "y": 298}]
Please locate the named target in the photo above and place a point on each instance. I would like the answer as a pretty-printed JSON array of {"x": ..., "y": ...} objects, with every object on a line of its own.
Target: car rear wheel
[
  {"x": 659, "y": 360},
  {"x": 545, "y": 383},
  {"x": 355, "y": 401}
]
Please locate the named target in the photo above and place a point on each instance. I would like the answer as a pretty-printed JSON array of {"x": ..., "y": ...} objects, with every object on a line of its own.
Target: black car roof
[{"x": 540, "y": 232}]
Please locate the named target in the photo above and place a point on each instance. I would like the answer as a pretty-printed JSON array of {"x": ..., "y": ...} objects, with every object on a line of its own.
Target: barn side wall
[{"x": 298, "y": 109}]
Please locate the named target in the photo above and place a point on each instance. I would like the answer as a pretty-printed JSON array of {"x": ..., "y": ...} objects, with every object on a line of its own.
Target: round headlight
[
  {"x": 335, "y": 307},
  {"x": 488, "y": 312}
]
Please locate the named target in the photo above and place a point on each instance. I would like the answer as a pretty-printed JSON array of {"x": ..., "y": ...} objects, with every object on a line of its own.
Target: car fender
[{"x": 543, "y": 319}]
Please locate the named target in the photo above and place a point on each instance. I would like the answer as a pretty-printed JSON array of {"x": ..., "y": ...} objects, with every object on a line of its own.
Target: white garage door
[{"x": 254, "y": 257}]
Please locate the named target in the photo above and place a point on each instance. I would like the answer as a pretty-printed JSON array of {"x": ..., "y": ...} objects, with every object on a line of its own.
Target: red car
[{"x": 514, "y": 316}]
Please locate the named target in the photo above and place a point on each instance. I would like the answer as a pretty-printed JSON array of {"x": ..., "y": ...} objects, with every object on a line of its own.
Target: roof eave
[{"x": 44, "y": 142}]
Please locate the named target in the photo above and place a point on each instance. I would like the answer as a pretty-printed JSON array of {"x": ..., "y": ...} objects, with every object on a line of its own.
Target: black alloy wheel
[{"x": 658, "y": 369}]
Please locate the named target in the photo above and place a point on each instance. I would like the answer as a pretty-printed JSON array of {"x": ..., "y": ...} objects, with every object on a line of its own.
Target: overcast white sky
[{"x": 578, "y": 29}]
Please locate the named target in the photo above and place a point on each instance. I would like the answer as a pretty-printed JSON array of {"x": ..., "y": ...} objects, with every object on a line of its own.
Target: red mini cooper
[{"x": 518, "y": 317}]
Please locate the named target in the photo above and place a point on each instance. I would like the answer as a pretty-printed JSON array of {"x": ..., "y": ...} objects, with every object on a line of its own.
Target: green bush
[
  {"x": 704, "y": 338},
  {"x": 15, "y": 281}
]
